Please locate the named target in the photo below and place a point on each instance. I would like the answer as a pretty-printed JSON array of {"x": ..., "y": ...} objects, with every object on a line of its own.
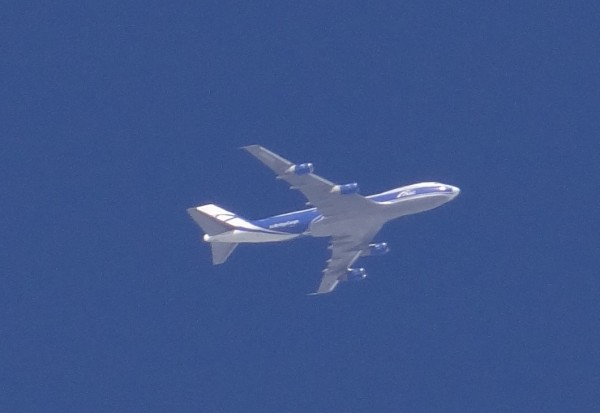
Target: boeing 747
[{"x": 339, "y": 212}]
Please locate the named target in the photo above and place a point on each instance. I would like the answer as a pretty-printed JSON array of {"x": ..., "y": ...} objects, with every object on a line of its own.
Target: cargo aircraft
[{"x": 339, "y": 212}]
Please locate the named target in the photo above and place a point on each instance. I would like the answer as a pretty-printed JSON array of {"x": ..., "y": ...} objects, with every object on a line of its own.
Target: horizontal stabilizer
[
  {"x": 212, "y": 219},
  {"x": 221, "y": 251}
]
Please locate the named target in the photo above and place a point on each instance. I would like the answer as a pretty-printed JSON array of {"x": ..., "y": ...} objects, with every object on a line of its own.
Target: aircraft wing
[
  {"x": 345, "y": 250},
  {"x": 320, "y": 192}
]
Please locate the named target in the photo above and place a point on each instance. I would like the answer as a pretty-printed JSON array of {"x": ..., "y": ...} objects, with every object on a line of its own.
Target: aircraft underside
[{"x": 350, "y": 220}]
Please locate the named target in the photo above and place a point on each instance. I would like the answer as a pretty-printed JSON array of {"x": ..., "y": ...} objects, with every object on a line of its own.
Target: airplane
[{"x": 339, "y": 212}]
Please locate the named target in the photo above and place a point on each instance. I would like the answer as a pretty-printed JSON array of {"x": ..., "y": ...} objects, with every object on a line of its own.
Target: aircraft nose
[{"x": 455, "y": 191}]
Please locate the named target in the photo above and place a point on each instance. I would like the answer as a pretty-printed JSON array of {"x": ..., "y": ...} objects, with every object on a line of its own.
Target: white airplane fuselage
[
  {"x": 350, "y": 221},
  {"x": 389, "y": 205}
]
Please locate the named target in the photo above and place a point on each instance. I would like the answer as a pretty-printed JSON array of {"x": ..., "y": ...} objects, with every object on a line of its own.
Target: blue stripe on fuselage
[
  {"x": 291, "y": 223},
  {"x": 298, "y": 222}
]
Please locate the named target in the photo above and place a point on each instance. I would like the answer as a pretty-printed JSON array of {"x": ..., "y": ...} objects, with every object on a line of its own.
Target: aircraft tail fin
[{"x": 215, "y": 220}]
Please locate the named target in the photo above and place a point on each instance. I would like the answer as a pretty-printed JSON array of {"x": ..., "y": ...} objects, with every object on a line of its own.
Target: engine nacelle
[
  {"x": 377, "y": 249},
  {"x": 301, "y": 169},
  {"x": 356, "y": 274},
  {"x": 345, "y": 189}
]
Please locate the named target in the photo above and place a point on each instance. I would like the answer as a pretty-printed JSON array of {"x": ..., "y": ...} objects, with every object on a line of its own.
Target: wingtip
[{"x": 321, "y": 292}]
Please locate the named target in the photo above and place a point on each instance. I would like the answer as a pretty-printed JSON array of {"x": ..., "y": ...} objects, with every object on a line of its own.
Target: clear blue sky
[{"x": 117, "y": 116}]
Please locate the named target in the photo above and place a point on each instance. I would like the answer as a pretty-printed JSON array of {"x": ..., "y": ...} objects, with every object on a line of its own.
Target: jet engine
[
  {"x": 302, "y": 169},
  {"x": 356, "y": 274},
  {"x": 345, "y": 189},
  {"x": 377, "y": 249}
]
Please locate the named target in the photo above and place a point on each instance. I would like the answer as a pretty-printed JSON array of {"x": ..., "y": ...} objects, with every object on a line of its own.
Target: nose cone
[{"x": 455, "y": 191}]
